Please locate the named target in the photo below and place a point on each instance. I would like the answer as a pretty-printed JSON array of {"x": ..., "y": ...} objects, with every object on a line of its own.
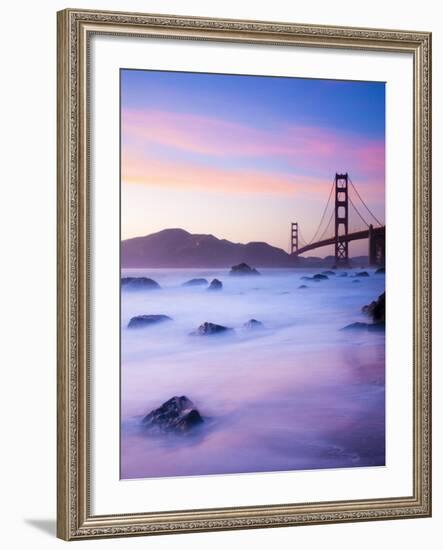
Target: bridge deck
[{"x": 350, "y": 237}]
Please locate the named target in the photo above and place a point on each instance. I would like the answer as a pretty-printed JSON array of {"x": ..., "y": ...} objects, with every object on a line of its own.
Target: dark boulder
[
  {"x": 328, "y": 272},
  {"x": 370, "y": 327},
  {"x": 375, "y": 327},
  {"x": 142, "y": 321},
  {"x": 362, "y": 274},
  {"x": 320, "y": 277},
  {"x": 177, "y": 415},
  {"x": 302, "y": 286},
  {"x": 243, "y": 269},
  {"x": 215, "y": 285},
  {"x": 356, "y": 326},
  {"x": 139, "y": 283},
  {"x": 376, "y": 309},
  {"x": 196, "y": 282},
  {"x": 253, "y": 324},
  {"x": 210, "y": 329},
  {"x": 380, "y": 271},
  {"x": 316, "y": 278}
]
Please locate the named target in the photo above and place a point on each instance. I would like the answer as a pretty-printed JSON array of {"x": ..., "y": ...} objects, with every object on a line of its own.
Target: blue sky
[{"x": 256, "y": 145}]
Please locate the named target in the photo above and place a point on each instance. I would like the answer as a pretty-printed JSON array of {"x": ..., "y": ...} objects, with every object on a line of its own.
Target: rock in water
[
  {"x": 302, "y": 286},
  {"x": 356, "y": 281},
  {"x": 344, "y": 274},
  {"x": 376, "y": 309},
  {"x": 371, "y": 327},
  {"x": 253, "y": 324},
  {"x": 215, "y": 285},
  {"x": 141, "y": 321},
  {"x": 375, "y": 327},
  {"x": 196, "y": 282},
  {"x": 177, "y": 415},
  {"x": 243, "y": 269},
  {"x": 320, "y": 277},
  {"x": 139, "y": 283},
  {"x": 328, "y": 272},
  {"x": 209, "y": 329},
  {"x": 380, "y": 270},
  {"x": 356, "y": 326},
  {"x": 362, "y": 274}
]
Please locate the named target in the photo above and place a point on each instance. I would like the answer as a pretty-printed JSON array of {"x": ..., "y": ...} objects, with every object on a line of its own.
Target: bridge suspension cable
[
  {"x": 324, "y": 213},
  {"x": 364, "y": 204},
  {"x": 327, "y": 227},
  {"x": 356, "y": 209},
  {"x": 300, "y": 236}
]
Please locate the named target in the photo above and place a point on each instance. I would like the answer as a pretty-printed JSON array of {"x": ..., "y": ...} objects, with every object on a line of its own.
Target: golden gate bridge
[{"x": 338, "y": 228}]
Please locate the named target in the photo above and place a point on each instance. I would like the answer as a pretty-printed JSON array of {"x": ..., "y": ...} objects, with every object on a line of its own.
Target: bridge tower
[
  {"x": 294, "y": 238},
  {"x": 377, "y": 246},
  {"x": 341, "y": 220}
]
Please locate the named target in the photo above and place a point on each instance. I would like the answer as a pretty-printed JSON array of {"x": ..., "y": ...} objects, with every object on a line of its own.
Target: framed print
[{"x": 236, "y": 200}]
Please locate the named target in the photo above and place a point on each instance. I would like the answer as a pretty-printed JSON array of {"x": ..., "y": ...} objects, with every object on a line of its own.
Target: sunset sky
[{"x": 242, "y": 156}]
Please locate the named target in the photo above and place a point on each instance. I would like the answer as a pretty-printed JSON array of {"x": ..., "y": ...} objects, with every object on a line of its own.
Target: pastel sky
[{"x": 242, "y": 156}]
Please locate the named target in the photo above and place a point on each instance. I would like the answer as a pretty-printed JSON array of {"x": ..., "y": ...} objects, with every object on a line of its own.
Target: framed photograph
[{"x": 236, "y": 200}]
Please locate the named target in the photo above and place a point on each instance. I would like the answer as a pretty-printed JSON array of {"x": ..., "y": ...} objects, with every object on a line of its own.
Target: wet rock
[
  {"x": 380, "y": 270},
  {"x": 196, "y": 282},
  {"x": 253, "y": 324},
  {"x": 316, "y": 278},
  {"x": 328, "y": 272},
  {"x": 243, "y": 269},
  {"x": 320, "y": 277},
  {"x": 215, "y": 285},
  {"x": 362, "y": 274},
  {"x": 370, "y": 327},
  {"x": 177, "y": 415},
  {"x": 375, "y": 327},
  {"x": 356, "y": 326},
  {"x": 356, "y": 281},
  {"x": 344, "y": 274},
  {"x": 139, "y": 283},
  {"x": 303, "y": 286},
  {"x": 376, "y": 309},
  {"x": 142, "y": 321},
  {"x": 210, "y": 329}
]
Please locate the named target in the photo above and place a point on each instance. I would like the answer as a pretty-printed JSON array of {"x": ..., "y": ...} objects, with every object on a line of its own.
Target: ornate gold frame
[{"x": 74, "y": 30}]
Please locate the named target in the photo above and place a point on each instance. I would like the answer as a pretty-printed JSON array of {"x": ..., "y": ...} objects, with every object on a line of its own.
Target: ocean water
[{"x": 298, "y": 394}]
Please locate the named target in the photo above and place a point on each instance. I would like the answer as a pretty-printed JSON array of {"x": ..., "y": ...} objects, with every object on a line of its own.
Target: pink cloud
[
  {"x": 301, "y": 146},
  {"x": 142, "y": 169},
  {"x": 371, "y": 156}
]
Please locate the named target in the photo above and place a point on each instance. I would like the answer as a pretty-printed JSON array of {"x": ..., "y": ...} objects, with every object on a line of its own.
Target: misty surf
[{"x": 296, "y": 392}]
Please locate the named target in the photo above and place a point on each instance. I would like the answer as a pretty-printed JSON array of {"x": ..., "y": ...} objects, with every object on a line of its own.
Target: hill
[
  {"x": 178, "y": 248},
  {"x": 175, "y": 248}
]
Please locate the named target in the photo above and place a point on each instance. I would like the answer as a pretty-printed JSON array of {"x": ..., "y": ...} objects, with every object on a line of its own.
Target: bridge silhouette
[{"x": 341, "y": 228}]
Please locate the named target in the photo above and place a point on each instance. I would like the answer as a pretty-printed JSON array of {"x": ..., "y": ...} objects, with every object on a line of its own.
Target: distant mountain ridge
[
  {"x": 175, "y": 248},
  {"x": 178, "y": 248}
]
